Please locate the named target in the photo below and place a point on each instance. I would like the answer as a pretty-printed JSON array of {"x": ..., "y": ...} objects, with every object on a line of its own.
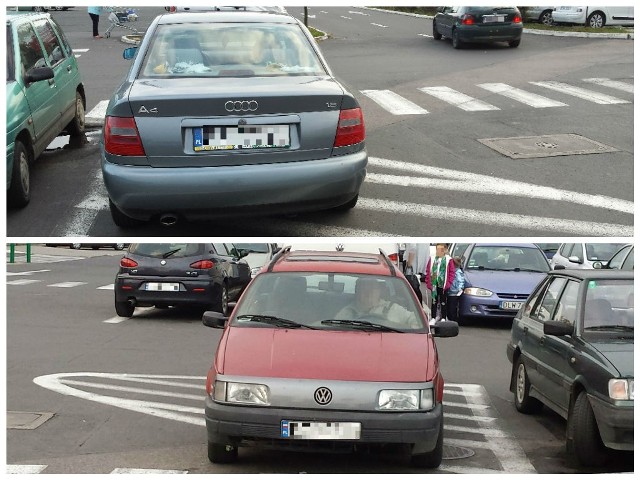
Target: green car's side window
[
  {"x": 568, "y": 304},
  {"x": 55, "y": 53},
  {"x": 545, "y": 307},
  {"x": 31, "y": 53}
]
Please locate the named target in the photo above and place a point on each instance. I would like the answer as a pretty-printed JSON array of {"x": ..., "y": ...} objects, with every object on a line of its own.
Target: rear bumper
[
  {"x": 615, "y": 423},
  {"x": 192, "y": 291},
  {"x": 486, "y": 33},
  {"x": 201, "y": 192}
]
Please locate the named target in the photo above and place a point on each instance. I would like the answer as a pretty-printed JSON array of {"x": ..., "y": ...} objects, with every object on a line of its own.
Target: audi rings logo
[
  {"x": 241, "y": 106},
  {"x": 322, "y": 395}
]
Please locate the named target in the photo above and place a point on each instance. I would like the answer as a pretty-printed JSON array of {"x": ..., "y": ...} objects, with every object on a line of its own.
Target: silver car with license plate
[{"x": 227, "y": 113}]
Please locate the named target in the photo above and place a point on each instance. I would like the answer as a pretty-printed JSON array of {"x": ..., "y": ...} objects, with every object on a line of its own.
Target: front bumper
[
  {"x": 202, "y": 192},
  {"x": 615, "y": 423},
  {"x": 479, "y": 307},
  {"x": 236, "y": 425}
]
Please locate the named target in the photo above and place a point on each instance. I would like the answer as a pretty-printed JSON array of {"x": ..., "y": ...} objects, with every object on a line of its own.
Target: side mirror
[
  {"x": 445, "y": 328},
  {"x": 37, "y": 74},
  {"x": 559, "y": 267},
  {"x": 214, "y": 319},
  {"x": 557, "y": 329},
  {"x": 129, "y": 53},
  {"x": 574, "y": 259}
]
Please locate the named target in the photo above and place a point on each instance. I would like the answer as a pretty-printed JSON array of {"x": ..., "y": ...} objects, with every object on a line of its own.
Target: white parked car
[
  {"x": 584, "y": 255},
  {"x": 256, "y": 255},
  {"x": 596, "y": 17}
]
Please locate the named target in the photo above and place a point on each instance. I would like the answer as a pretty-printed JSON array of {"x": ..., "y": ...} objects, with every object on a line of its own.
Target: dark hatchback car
[
  {"x": 478, "y": 25},
  {"x": 209, "y": 276},
  {"x": 230, "y": 113},
  {"x": 572, "y": 350}
]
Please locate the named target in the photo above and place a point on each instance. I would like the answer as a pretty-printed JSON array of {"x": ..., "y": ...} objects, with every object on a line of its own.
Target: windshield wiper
[
  {"x": 518, "y": 269},
  {"x": 276, "y": 321},
  {"x": 361, "y": 324},
  {"x": 623, "y": 328},
  {"x": 170, "y": 252}
]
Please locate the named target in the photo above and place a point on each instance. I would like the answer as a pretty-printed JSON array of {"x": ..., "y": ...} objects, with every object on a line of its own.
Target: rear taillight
[
  {"x": 394, "y": 258},
  {"x": 467, "y": 19},
  {"x": 128, "y": 263},
  {"x": 121, "y": 137},
  {"x": 173, "y": 9},
  {"x": 350, "y": 128},
  {"x": 517, "y": 19},
  {"x": 202, "y": 265}
]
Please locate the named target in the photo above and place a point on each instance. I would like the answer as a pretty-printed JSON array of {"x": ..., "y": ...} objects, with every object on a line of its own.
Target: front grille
[{"x": 513, "y": 296}]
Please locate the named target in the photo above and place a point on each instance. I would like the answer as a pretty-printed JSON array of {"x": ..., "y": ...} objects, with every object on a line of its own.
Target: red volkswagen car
[{"x": 327, "y": 351}]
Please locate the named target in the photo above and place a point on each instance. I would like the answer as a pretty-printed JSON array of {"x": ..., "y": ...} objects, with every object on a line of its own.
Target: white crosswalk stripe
[
  {"x": 67, "y": 284},
  {"x": 31, "y": 469},
  {"x": 394, "y": 103},
  {"x": 583, "y": 93},
  {"x": 605, "y": 82},
  {"x": 25, "y": 469},
  {"x": 458, "y": 99},
  {"x": 22, "y": 281},
  {"x": 528, "y": 98}
]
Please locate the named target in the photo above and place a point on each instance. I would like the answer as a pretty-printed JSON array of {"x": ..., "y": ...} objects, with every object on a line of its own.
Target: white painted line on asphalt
[
  {"x": 589, "y": 95},
  {"x": 23, "y": 281},
  {"x": 456, "y": 392},
  {"x": 359, "y": 13},
  {"x": 67, "y": 284},
  {"x": 118, "y": 388},
  {"x": 528, "y": 98},
  {"x": 487, "y": 432},
  {"x": 466, "y": 405},
  {"x": 135, "y": 471},
  {"x": 94, "y": 202},
  {"x": 115, "y": 320},
  {"x": 31, "y": 272},
  {"x": 346, "y": 18},
  {"x": 155, "y": 380},
  {"x": 86, "y": 211},
  {"x": 625, "y": 87},
  {"x": 458, "y": 99},
  {"x": 25, "y": 469},
  {"x": 475, "y": 418},
  {"x": 474, "y": 182},
  {"x": 394, "y": 103},
  {"x": 138, "y": 311},
  {"x": 98, "y": 112},
  {"x": 106, "y": 287},
  {"x": 425, "y": 35},
  {"x": 80, "y": 50},
  {"x": 378, "y": 25}
]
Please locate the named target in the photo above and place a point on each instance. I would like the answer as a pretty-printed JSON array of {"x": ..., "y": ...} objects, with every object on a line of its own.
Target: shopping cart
[{"x": 119, "y": 17}]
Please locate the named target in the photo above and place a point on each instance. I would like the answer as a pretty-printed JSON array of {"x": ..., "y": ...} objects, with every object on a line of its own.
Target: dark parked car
[
  {"x": 94, "y": 246},
  {"x": 45, "y": 95},
  {"x": 622, "y": 259},
  {"x": 229, "y": 113},
  {"x": 166, "y": 274},
  {"x": 478, "y": 25},
  {"x": 549, "y": 249},
  {"x": 572, "y": 350}
]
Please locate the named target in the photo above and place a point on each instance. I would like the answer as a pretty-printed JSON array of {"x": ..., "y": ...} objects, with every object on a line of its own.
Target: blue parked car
[{"x": 499, "y": 278}]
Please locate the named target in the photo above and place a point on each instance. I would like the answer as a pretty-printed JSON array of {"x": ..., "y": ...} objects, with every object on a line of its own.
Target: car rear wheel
[
  {"x": 436, "y": 34},
  {"x": 220, "y": 453},
  {"x": 118, "y": 246},
  {"x": 224, "y": 300},
  {"x": 19, "y": 193},
  {"x": 124, "y": 309},
  {"x": 596, "y": 20},
  {"x": 583, "y": 438},
  {"x": 455, "y": 40},
  {"x": 524, "y": 403},
  {"x": 76, "y": 246},
  {"x": 120, "y": 219},
  {"x": 77, "y": 125},
  {"x": 514, "y": 43},
  {"x": 431, "y": 459},
  {"x": 546, "y": 18}
]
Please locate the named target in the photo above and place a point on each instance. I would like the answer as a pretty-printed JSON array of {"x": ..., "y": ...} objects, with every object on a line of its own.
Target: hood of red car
[{"x": 331, "y": 354}]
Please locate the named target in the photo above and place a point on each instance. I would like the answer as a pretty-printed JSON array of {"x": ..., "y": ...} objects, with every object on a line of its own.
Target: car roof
[
  {"x": 505, "y": 244},
  {"x": 14, "y": 17},
  {"x": 594, "y": 274},
  {"x": 336, "y": 262},
  {"x": 225, "y": 17}
]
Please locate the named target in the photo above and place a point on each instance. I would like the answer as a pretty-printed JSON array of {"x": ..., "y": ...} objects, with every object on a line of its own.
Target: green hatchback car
[
  {"x": 45, "y": 95},
  {"x": 572, "y": 350}
]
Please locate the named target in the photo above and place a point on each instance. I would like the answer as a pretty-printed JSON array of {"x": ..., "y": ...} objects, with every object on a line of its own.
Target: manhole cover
[
  {"x": 449, "y": 452},
  {"x": 27, "y": 420},
  {"x": 543, "y": 146}
]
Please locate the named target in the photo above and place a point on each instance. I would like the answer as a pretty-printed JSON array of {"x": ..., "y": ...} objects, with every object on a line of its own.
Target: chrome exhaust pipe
[{"x": 168, "y": 219}]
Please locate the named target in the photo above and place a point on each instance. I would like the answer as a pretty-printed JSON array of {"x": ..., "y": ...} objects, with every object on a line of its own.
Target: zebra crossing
[
  {"x": 33, "y": 469},
  {"x": 396, "y": 104}
]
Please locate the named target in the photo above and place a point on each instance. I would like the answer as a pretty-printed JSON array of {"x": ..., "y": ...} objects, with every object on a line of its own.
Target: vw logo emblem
[
  {"x": 340, "y": 247},
  {"x": 322, "y": 396},
  {"x": 241, "y": 106}
]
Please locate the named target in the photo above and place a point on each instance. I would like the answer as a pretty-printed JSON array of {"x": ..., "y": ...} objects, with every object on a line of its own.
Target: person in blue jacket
[
  {"x": 94, "y": 13},
  {"x": 456, "y": 289}
]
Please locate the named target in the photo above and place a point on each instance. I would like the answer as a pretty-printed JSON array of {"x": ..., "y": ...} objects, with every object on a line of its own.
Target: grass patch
[
  {"x": 577, "y": 28},
  {"x": 316, "y": 33}
]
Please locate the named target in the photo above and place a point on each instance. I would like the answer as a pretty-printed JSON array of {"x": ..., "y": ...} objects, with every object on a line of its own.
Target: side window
[
  {"x": 63, "y": 40},
  {"x": 568, "y": 304},
  {"x": 566, "y": 248},
  {"x": 533, "y": 300},
  {"x": 11, "y": 63},
  {"x": 52, "y": 46},
  {"x": 31, "y": 53},
  {"x": 628, "y": 263},
  {"x": 616, "y": 260},
  {"x": 220, "y": 248},
  {"x": 545, "y": 306},
  {"x": 577, "y": 251}
]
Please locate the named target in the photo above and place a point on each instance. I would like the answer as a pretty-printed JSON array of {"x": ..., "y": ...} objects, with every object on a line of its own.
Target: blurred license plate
[
  {"x": 511, "y": 305},
  {"x": 493, "y": 18},
  {"x": 240, "y": 137},
  {"x": 320, "y": 430},
  {"x": 162, "y": 287}
]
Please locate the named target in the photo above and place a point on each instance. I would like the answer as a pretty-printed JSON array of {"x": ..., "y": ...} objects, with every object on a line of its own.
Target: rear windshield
[
  {"x": 311, "y": 298},
  {"x": 166, "y": 250},
  {"x": 253, "y": 247},
  {"x": 230, "y": 50}
]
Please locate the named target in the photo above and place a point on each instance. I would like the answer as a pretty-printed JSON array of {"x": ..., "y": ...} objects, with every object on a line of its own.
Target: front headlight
[
  {"x": 247, "y": 393},
  {"x": 405, "y": 399},
  {"x": 254, "y": 271},
  {"x": 621, "y": 389},
  {"x": 478, "y": 292}
]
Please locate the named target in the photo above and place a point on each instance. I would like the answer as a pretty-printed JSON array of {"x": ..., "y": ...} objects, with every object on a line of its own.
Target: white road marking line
[
  {"x": 625, "y": 87},
  {"x": 589, "y": 95},
  {"x": 487, "y": 432},
  {"x": 117, "y": 388},
  {"x": 359, "y": 13},
  {"x": 116, "y": 320},
  {"x": 25, "y": 469},
  {"x": 31, "y": 272},
  {"x": 80, "y": 50},
  {"x": 394, "y": 103},
  {"x": 136, "y": 471},
  {"x": 485, "y": 217},
  {"x": 475, "y": 182},
  {"x": 98, "y": 112},
  {"x": 528, "y": 98},
  {"x": 106, "y": 287},
  {"x": 458, "y": 99},
  {"x": 378, "y": 25},
  {"x": 86, "y": 211},
  {"x": 67, "y": 284},
  {"x": 23, "y": 281},
  {"x": 456, "y": 392},
  {"x": 138, "y": 311},
  {"x": 425, "y": 35},
  {"x": 346, "y": 18},
  {"x": 155, "y": 380},
  {"x": 466, "y": 405},
  {"x": 475, "y": 418}
]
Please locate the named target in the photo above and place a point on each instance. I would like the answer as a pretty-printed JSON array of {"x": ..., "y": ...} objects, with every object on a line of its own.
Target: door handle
[
  {"x": 69, "y": 68},
  {"x": 541, "y": 341},
  {"x": 526, "y": 330},
  {"x": 52, "y": 81}
]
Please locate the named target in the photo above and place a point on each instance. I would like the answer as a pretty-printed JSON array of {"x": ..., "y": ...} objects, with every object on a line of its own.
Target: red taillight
[
  {"x": 172, "y": 9},
  {"x": 202, "y": 265},
  {"x": 468, "y": 19},
  {"x": 350, "y": 128},
  {"x": 517, "y": 19},
  {"x": 128, "y": 263},
  {"x": 121, "y": 137},
  {"x": 394, "y": 258}
]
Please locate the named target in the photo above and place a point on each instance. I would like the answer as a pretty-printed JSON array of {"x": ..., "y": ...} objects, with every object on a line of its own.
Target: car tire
[
  {"x": 524, "y": 403},
  {"x": 220, "y": 453},
  {"x": 76, "y": 246},
  {"x": 124, "y": 309},
  {"x": 546, "y": 18},
  {"x": 76, "y": 126},
  {"x": 431, "y": 459},
  {"x": 224, "y": 300},
  {"x": 455, "y": 40},
  {"x": 583, "y": 438},
  {"x": 122, "y": 220},
  {"x": 345, "y": 207},
  {"x": 19, "y": 193},
  {"x": 514, "y": 43},
  {"x": 118, "y": 246},
  {"x": 597, "y": 20},
  {"x": 436, "y": 34}
]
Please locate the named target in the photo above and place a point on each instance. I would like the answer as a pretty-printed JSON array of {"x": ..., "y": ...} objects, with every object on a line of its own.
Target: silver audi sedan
[{"x": 228, "y": 113}]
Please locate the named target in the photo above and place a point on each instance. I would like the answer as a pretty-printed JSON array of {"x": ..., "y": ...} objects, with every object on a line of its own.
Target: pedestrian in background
[
  {"x": 415, "y": 261},
  {"x": 440, "y": 274},
  {"x": 456, "y": 289},
  {"x": 94, "y": 13}
]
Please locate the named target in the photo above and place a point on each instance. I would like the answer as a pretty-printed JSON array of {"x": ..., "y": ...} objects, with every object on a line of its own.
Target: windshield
[
  {"x": 507, "y": 258},
  {"x": 253, "y": 247},
  {"x": 329, "y": 301},
  {"x": 609, "y": 304},
  {"x": 230, "y": 50},
  {"x": 601, "y": 251}
]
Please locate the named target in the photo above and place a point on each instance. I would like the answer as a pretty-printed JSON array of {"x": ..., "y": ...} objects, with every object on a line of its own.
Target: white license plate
[
  {"x": 162, "y": 287},
  {"x": 240, "y": 137},
  {"x": 566, "y": 8},
  {"x": 511, "y": 305},
  {"x": 493, "y": 18},
  {"x": 320, "y": 430}
]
